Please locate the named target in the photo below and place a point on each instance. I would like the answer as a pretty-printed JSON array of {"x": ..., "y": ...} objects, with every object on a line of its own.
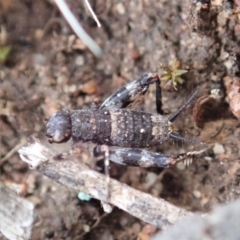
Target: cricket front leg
[
  {"x": 144, "y": 158},
  {"x": 129, "y": 95}
]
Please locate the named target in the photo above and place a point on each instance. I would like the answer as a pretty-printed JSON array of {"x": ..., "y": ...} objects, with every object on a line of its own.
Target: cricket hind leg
[
  {"x": 129, "y": 95},
  {"x": 144, "y": 158}
]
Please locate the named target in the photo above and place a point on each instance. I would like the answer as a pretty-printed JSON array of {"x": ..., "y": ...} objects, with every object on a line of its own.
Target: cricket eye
[{"x": 59, "y": 127}]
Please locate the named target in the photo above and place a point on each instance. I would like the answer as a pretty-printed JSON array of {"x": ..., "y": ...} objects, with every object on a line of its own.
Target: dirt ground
[{"x": 48, "y": 69}]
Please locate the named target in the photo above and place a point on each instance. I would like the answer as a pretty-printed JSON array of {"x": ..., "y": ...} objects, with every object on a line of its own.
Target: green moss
[
  {"x": 4, "y": 53},
  {"x": 173, "y": 73}
]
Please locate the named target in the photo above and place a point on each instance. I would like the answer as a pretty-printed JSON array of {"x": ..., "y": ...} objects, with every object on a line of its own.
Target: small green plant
[
  {"x": 4, "y": 53},
  {"x": 173, "y": 73}
]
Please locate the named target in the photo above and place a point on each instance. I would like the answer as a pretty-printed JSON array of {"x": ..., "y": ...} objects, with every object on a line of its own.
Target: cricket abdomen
[
  {"x": 123, "y": 128},
  {"x": 137, "y": 129}
]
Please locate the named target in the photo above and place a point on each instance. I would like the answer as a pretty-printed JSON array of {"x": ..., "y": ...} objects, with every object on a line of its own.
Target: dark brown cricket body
[
  {"x": 122, "y": 127},
  {"x": 121, "y": 133}
]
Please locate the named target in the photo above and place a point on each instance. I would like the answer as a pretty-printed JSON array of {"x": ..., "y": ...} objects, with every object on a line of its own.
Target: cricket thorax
[
  {"x": 91, "y": 125},
  {"x": 125, "y": 128}
]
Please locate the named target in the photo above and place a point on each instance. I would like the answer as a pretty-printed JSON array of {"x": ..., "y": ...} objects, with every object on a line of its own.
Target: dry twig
[
  {"x": 92, "y": 12},
  {"x": 17, "y": 215},
  {"x": 13, "y": 150},
  {"x": 77, "y": 28},
  {"x": 78, "y": 176}
]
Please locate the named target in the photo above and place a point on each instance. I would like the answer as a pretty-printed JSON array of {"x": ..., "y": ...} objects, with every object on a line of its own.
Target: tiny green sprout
[
  {"x": 4, "y": 52},
  {"x": 173, "y": 73}
]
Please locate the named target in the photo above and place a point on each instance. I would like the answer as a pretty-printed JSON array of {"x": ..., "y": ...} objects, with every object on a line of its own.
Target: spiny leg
[
  {"x": 129, "y": 95},
  {"x": 144, "y": 158}
]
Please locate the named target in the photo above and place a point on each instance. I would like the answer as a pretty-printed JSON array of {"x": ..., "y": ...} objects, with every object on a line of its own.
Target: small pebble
[
  {"x": 83, "y": 196},
  {"x": 150, "y": 179},
  {"x": 89, "y": 87},
  {"x": 181, "y": 166},
  {"x": 228, "y": 64},
  {"x": 86, "y": 228},
  {"x": 222, "y": 18},
  {"x": 49, "y": 234},
  {"x": 120, "y": 8},
  {"x": 149, "y": 229},
  {"x": 237, "y": 2},
  {"x": 70, "y": 88},
  {"x": 197, "y": 194},
  {"x": 218, "y": 148},
  {"x": 79, "y": 61},
  {"x": 124, "y": 221},
  {"x": 216, "y": 2},
  {"x": 207, "y": 158},
  {"x": 134, "y": 53},
  {"x": 38, "y": 34},
  {"x": 38, "y": 59},
  {"x": 136, "y": 227}
]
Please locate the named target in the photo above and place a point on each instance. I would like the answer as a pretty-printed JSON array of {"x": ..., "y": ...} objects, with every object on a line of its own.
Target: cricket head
[{"x": 59, "y": 127}]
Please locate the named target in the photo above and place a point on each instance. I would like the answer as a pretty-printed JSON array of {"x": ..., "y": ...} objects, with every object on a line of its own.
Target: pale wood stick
[
  {"x": 17, "y": 215},
  {"x": 76, "y": 175}
]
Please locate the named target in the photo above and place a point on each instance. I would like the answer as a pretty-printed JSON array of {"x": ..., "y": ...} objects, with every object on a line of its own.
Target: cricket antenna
[
  {"x": 186, "y": 140},
  {"x": 176, "y": 114}
]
